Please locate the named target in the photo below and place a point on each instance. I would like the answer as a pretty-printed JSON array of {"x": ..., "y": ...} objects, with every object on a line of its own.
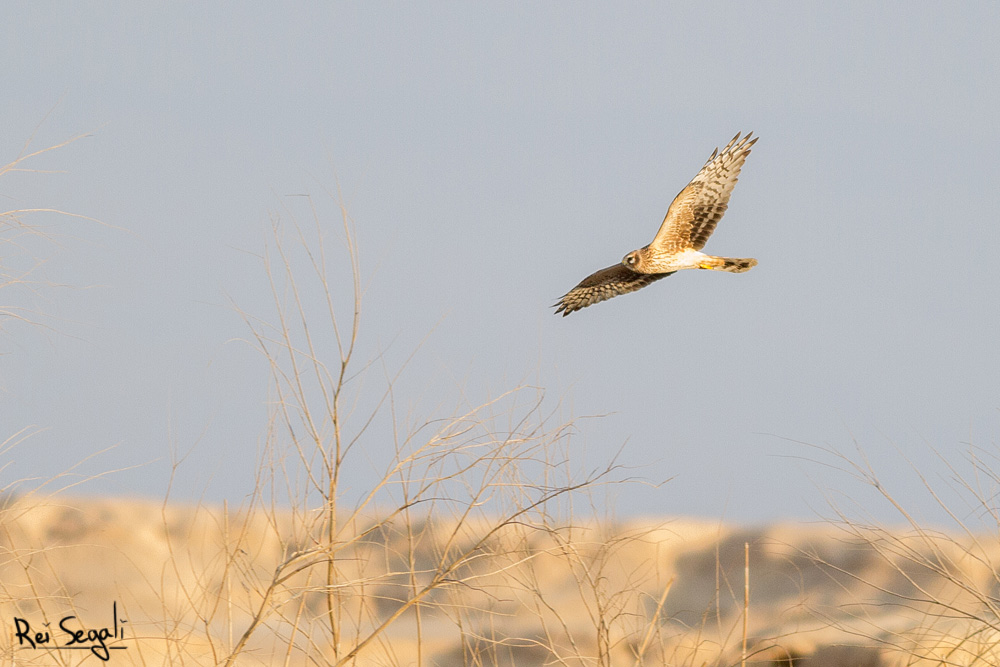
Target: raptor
[{"x": 689, "y": 222}]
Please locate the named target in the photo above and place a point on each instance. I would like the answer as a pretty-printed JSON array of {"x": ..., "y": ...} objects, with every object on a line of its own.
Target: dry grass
[
  {"x": 941, "y": 584},
  {"x": 471, "y": 518},
  {"x": 26, "y": 235},
  {"x": 471, "y": 548},
  {"x": 191, "y": 580}
]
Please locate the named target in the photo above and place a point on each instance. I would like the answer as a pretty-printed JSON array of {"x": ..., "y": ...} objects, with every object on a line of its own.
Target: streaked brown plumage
[{"x": 690, "y": 220}]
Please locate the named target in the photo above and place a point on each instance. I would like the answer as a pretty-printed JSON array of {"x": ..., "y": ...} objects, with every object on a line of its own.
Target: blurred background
[{"x": 492, "y": 156}]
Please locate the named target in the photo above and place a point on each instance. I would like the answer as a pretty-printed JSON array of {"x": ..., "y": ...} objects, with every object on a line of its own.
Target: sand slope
[{"x": 187, "y": 581}]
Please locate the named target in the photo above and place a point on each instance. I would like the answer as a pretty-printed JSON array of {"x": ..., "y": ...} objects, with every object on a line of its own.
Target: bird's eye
[{"x": 630, "y": 259}]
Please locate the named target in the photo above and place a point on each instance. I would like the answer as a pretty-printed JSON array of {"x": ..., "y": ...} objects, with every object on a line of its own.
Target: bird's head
[{"x": 632, "y": 260}]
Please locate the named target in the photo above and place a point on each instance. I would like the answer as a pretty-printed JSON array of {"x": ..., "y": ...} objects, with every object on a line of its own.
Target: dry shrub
[
  {"x": 479, "y": 543},
  {"x": 934, "y": 598},
  {"x": 468, "y": 524}
]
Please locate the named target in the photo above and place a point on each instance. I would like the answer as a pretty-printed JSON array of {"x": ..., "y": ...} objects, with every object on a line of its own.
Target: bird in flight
[{"x": 689, "y": 222}]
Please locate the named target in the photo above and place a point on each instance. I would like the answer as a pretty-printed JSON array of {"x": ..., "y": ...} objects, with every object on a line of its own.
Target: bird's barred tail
[{"x": 730, "y": 264}]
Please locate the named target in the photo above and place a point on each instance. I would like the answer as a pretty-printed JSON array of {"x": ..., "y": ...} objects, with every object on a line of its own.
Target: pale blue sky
[{"x": 492, "y": 156}]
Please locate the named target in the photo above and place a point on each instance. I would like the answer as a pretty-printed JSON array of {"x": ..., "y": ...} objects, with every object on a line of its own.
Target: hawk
[{"x": 689, "y": 222}]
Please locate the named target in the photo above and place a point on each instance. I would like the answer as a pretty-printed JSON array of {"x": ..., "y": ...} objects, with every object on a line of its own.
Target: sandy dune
[{"x": 186, "y": 582}]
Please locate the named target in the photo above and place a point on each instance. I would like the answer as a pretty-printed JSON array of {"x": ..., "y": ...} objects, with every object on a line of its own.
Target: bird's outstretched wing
[
  {"x": 696, "y": 211},
  {"x": 603, "y": 285}
]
